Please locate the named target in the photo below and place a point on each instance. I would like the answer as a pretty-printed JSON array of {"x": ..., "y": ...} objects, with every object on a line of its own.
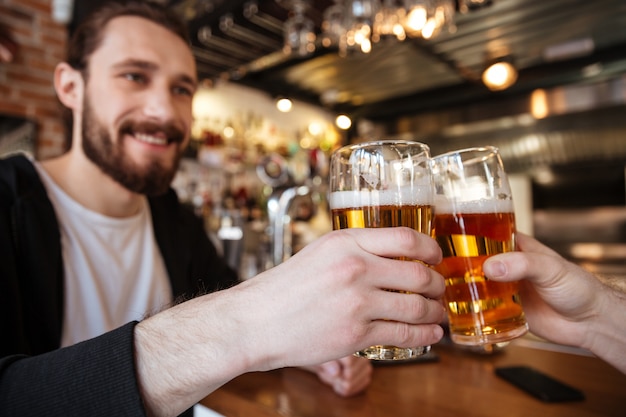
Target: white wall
[
  {"x": 521, "y": 188},
  {"x": 244, "y": 107}
]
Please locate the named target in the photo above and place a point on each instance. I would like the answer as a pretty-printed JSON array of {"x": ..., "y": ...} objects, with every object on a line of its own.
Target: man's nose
[{"x": 159, "y": 104}]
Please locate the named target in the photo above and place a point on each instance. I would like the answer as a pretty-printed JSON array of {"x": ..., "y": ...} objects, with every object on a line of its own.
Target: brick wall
[{"x": 26, "y": 84}]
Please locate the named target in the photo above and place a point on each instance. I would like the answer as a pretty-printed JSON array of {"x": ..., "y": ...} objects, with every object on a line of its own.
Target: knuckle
[
  {"x": 439, "y": 283},
  {"x": 420, "y": 309},
  {"x": 406, "y": 236},
  {"x": 428, "y": 280},
  {"x": 424, "y": 246},
  {"x": 404, "y": 334},
  {"x": 353, "y": 267},
  {"x": 356, "y": 334},
  {"x": 336, "y": 237}
]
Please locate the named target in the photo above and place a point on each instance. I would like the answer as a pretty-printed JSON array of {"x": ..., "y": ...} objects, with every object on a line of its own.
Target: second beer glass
[
  {"x": 383, "y": 184},
  {"x": 475, "y": 220}
]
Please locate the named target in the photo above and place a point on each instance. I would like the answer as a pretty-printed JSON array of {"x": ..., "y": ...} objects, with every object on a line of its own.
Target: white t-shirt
[{"x": 114, "y": 271}]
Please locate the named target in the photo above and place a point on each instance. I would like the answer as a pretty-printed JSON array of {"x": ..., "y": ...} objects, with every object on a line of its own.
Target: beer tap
[
  {"x": 277, "y": 208},
  {"x": 274, "y": 171}
]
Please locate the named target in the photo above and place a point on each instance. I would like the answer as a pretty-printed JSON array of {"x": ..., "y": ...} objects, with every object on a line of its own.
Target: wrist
[
  {"x": 607, "y": 331},
  {"x": 183, "y": 354}
]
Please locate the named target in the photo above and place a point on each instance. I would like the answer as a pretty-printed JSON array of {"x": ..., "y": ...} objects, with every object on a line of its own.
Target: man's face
[{"x": 136, "y": 114}]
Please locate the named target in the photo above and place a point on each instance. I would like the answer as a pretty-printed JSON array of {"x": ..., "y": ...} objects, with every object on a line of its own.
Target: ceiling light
[
  {"x": 539, "y": 107},
  {"x": 229, "y": 132},
  {"x": 315, "y": 128},
  {"x": 284, "y": 105},
  {"x": 343, "y": 122},
  {"x": 416, "y": 18},
  {"x": 499, "y": 76}
]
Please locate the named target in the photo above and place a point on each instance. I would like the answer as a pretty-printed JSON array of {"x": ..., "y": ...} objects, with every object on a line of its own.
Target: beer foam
[
  {"x": 364, "y": 198},
  {"x": 481, "y": 206}
]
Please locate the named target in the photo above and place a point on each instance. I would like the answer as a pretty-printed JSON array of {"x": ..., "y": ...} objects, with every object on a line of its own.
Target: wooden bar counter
[{"x": 459, "y": 383}]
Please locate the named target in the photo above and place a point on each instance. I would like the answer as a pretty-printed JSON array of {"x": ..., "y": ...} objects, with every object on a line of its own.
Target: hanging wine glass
[
  {"x": 361, "y": 17},
  {"x": 299, "y": 31},
  {"x": 334, "y": 27},
  {"x": 388, "y": 21}
]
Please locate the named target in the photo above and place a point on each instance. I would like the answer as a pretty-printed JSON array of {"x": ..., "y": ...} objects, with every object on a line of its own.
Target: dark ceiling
[{"x": 548, "y": 39}]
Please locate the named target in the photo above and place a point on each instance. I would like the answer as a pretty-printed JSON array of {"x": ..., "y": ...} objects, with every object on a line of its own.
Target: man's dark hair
[{"x": 89, "y": 34}]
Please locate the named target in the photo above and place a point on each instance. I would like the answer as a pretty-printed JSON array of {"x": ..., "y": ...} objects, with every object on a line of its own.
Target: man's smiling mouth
[
  {"x": 152, "y": 133},
  {"x": 151, "y": 139}
]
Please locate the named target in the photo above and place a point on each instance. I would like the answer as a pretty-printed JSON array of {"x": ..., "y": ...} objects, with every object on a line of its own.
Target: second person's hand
[{"x": 347, "y": 376}]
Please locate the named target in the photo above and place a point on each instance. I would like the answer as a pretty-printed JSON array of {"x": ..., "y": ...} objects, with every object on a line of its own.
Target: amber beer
[
  {"x": 385, "y": 183},
  {"x": 415, "y": 216},
  {"x": 474, "y": 220},
  {"x": 480, "y": 311},
  {"x": 352, "y": 209}
]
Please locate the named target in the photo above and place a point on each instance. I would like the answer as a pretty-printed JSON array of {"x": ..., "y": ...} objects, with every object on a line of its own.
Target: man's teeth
[{"x": 154, "y": 140}]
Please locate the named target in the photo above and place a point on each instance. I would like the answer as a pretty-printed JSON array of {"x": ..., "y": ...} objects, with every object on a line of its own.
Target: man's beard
[{"x": 154, "y": 179}]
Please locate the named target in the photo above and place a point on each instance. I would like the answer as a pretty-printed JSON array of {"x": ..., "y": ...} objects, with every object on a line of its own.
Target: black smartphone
[{"x": 539, "y": 385}]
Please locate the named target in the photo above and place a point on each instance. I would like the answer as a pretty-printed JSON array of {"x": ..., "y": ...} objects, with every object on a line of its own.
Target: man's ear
[{"x": 69, "y": 86}]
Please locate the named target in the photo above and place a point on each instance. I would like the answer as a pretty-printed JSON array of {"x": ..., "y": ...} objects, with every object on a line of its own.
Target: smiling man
[
  {"x": 131, "y": 103},
  {"x": 129, "y": 85}
]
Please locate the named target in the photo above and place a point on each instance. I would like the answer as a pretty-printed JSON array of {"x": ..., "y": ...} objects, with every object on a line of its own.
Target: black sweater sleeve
[{"x": 93, "y": 378}]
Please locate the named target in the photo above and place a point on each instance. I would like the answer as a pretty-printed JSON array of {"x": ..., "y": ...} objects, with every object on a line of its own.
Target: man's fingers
[
  {"x": 394, "y": 242},
  {"x": 409, "y": 308},
  {"x": 403, "y": 334},
  {"x": 408, "y": 276},
  {"x": 514, "y": 266}
]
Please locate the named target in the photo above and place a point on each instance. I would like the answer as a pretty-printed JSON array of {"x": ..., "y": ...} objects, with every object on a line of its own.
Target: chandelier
[{"x": 356, "y": 25}]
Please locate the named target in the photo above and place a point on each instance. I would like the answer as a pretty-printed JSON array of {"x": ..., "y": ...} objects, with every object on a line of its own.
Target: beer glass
[
  {"x": 382, "y": 184},
  {"x": 474, "y": 220}
]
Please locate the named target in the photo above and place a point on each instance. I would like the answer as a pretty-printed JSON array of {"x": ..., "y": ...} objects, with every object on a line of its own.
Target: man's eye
[
  {"x": 184, "y": 91},
  {"x": 132, "y": 76}
]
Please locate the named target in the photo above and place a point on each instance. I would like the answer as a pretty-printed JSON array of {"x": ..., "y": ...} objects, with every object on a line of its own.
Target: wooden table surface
[{"x": 459, "y": 383}]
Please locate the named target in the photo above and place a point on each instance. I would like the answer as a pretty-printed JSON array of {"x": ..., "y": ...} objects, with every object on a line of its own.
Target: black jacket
[{"x": 96, "y": 377}]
